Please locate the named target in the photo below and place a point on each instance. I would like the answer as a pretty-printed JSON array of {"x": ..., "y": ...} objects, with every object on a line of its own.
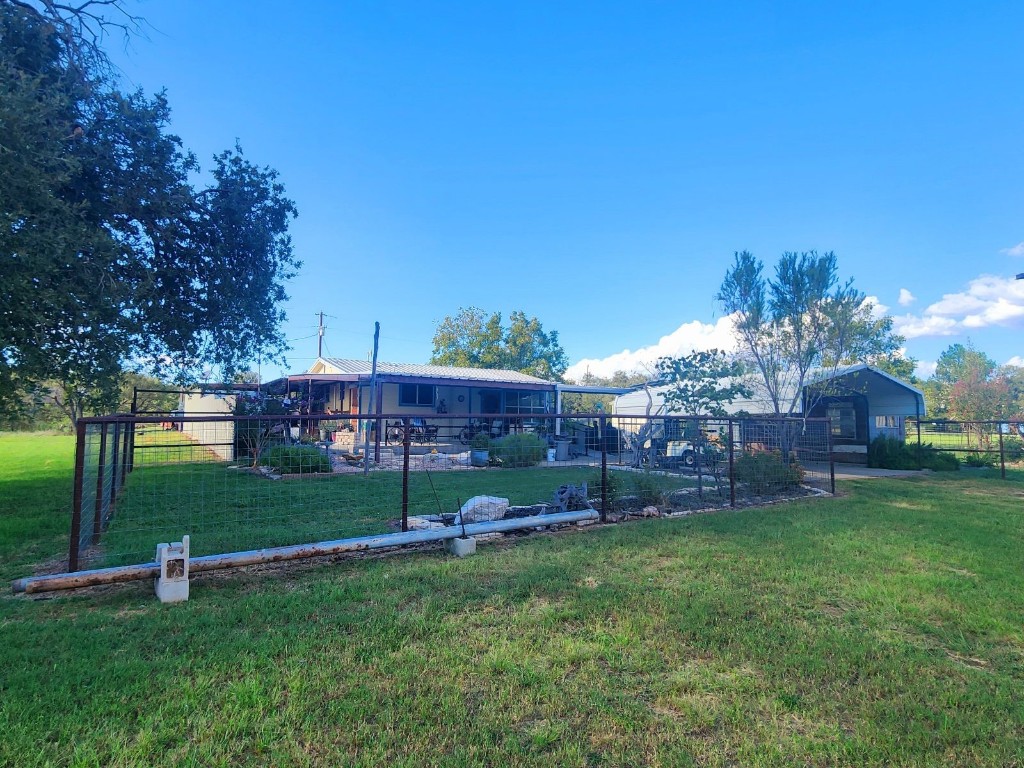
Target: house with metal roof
[{"x": 343, "y": 386}]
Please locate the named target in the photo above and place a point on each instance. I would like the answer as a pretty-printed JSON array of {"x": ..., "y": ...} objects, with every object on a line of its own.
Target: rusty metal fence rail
[
  {"x": 238, "y": 483},
  {"x": 974, "y": 443}
]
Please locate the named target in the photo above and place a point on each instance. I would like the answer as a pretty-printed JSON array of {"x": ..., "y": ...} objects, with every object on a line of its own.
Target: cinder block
[{"x": 461, "y": 547}]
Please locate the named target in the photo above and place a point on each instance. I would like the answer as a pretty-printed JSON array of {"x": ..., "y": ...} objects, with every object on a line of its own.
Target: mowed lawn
[{"x": 883, "y": 627}]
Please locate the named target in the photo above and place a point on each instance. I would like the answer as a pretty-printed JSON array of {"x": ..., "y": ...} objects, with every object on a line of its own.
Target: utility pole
[
  {"x": 374, "y": 406},
  {"x": 320, "y": 337}
]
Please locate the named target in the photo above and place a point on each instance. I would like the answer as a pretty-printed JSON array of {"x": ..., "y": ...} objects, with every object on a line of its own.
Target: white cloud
[
  {"x": 913, "y": 327},
  {"x": 1017, "y": 250},
  {"x": 986, "y": 301},
  {"x": 925, "y": 369},
  {"x": 878, "y": 309},
  {"x": 1016, "y": 360},
  {"x": 683, "y": 340},
  {"x": 906, "y": 298}
]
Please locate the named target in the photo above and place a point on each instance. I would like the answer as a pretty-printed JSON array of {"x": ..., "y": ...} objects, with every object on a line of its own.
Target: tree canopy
[
  {"x": 968, "y": 385},
  {"x": 473, "y": 339},
  {"x": 111, "y": 255},
  {"x": 799, "y": 324},
  {"x": 701, "y": 383}
]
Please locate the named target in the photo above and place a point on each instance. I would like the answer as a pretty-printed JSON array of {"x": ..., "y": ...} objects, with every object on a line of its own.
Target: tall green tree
[
  {"x": 957, "y": 363},
  {"x": 701, "y": 383},
  {"x": 471, "y": 338},
  {"x": 800, "y": 325},
  {"x": 110, "y": 256},
  {"x": 899, "y": 365},
  {"x": 969, "y": 386}
]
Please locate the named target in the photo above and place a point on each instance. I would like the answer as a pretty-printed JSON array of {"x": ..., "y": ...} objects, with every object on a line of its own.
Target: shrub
[
  {"x": 520, "y": 450},
  {"x": 1013, "y": 448},
  {"x": 616, "y": 488},
  {"x": 297, "y": 459},
  {"x": 647, "y": 489},
  {"x": 766, "y": 472},
  {"x": 893, "y": 453},
  {"x": 480, "y": 442},
  {"x": 938, "y": 461},
  {"x": 978, "y": 460}
]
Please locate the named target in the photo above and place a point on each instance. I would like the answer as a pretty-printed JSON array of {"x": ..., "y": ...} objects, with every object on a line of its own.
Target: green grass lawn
[{"x": 882, "y": 627}]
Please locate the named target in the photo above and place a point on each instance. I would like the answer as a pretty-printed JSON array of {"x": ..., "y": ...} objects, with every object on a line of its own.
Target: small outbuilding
[{"x": 863, "y": 402}]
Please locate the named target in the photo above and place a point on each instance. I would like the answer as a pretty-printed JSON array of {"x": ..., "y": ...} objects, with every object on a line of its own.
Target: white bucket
[{"x": 551, "y": 454}]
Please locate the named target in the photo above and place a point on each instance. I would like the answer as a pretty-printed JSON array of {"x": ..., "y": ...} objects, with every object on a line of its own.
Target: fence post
[
  {"x": 76, "y": 508},
  {"x": 831, "y": 459},
  {"x": 101, "y": 470},
  {"x": 604, "y": 470},
  {"x": 698, "y": 447},
  {"x": 126, "y": 435},
  {"x": 732, "y": 474},
  {"x": 114, "y": 467},
  {"x": 1002, "y": 455},
  {"x": 406, "y": 444}
]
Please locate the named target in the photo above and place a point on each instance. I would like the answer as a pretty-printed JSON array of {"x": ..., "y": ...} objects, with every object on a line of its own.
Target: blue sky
[{"x": 597, "y": 164}]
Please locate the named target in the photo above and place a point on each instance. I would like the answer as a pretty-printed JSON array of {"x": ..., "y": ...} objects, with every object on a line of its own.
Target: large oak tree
[
  {"x": 111, "y": 254},
  {"x": 473, "y": 339}
]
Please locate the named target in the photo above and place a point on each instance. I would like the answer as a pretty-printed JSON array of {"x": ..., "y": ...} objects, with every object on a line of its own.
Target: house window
[
  {"x": 844, "y": 421},
  {"x": 416, "y": 394},
  {"x": 525, "y": 401},
  {"x": 887, "y": 422}
]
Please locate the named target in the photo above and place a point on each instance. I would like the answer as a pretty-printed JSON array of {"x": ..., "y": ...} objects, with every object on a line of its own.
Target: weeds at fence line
[{"x": 247, "y": 482}]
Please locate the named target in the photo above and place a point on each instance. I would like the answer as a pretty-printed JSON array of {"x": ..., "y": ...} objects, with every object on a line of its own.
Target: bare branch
[{"x": 83, "y": 27}]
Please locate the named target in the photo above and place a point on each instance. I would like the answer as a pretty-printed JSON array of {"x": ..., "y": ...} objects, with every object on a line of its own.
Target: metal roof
[
  {"x": 845, "y": 370},
  {"x": 337, "y": 365},
  {"x": 759, "y": 403}
]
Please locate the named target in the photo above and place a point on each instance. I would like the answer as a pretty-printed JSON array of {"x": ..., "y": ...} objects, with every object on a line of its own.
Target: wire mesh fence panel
[
  {"x": 688, "y": 462},
  {"x": 974, "y": 442},
  {"x": 86, "y": 496},
  {"x": 236, "y": 483}
]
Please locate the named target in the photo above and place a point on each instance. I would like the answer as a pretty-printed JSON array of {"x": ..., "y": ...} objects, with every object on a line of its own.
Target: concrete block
[{"x": 461, "y": 547}]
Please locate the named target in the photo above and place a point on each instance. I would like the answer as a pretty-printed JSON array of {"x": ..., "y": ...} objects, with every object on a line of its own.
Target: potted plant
[
  {"x": 480, "y": 450},
  {"x": 327, "y": 429}
]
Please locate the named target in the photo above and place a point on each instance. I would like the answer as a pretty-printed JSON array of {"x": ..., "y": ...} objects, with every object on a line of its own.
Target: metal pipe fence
[
  {"x": 974, "y": 443},
  {"x": 237, "y": 483}
]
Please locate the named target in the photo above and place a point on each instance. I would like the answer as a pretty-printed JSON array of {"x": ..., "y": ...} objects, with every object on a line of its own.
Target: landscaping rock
[
  {"x": 679, "y": 497},
  {"x": 487, "y": 536},
  {"x": 627, "y": 502},
  {"x": 481, "y": 509},
  {"x": 423, "y": 524},
  {"x": 528, "y": 511},
  {"x": 649, "y": 511}
]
